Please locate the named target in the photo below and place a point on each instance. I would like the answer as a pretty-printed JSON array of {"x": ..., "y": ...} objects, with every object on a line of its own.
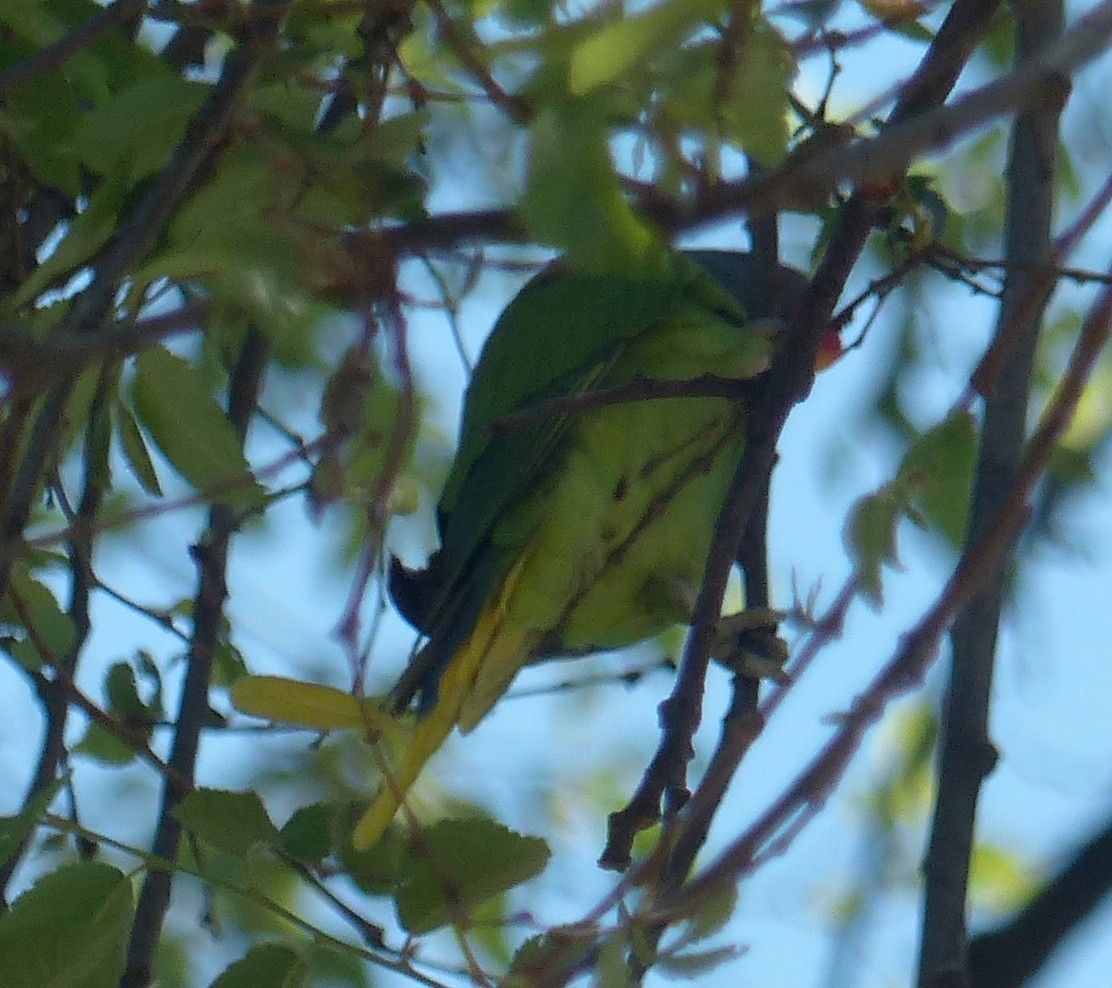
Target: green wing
[{"x": 564, "y": 334}]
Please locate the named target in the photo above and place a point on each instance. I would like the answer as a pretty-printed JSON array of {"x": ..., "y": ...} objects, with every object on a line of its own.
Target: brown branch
[
  {"x": 464, "y": 44},
  {"x": 967, "y": 754},
  {"x": 211, "y": 556},
  {"x": 919, "y": 647},
  {"x": 34, "y": 365}
]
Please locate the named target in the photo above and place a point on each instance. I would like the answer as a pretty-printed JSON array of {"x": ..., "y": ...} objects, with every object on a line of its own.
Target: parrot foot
[{"x": 747, "y": 644}]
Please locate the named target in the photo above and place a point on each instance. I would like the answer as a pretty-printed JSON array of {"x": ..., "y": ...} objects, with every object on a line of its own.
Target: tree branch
[
  {"x": 967, "y": 755},
  {"x": 918, "y": 648},
  {"x": 211, "y": 556},
  {"x": 1008, "y": 956}
]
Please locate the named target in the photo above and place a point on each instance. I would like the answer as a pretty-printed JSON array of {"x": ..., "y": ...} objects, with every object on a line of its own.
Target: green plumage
[{"x": 570, "y": 523}]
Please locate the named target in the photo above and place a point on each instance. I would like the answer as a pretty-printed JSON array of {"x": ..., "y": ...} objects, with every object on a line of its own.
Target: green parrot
[{"x": 582, "y": 501}]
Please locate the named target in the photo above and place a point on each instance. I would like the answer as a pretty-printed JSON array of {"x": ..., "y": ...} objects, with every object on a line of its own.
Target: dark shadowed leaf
[{"x": 271, "y": 965}]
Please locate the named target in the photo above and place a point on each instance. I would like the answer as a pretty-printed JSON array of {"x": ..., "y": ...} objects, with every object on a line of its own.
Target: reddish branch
[{"x": 919, "y": 647}]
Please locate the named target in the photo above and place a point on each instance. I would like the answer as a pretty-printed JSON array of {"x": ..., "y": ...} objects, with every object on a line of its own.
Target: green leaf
[
  {"x": 713, "y": 914},
  {"x": 753, "y": 116},
  {"x": 128, "y": 707},
  {"x": 133, "y": 134},
  {"x": 573, "y": 198},
  {"x": 933, "y": 485},
  {"x": 613, "y": 51},
  {"x": 611, "y": 969},
  {"x": 307, "y": 834},
  {"x": 103, "y": 746},
  {"x": 190, "y": 429},
  {"x": 691, "y": 964},
  {"x": 374, "y": 869},
  {"x": 228, "y": 664},
  {"x": 42, "y": 117},
  {"x": 70, "y": 931},
  {"x": 122, "y": 690},
  {"x": 870, "y": 536},
  {"x": 49, "y": 632},
  {"x": 561, "y": 949},
  {"x": 939, "y": 469},
  {"x": 1001, "y": 879},
  {"x": 462, "y": 863},
  {"x": 272, "y": 965},
  {"x": 230, "y": 821},
  {"x": 135, "y": 451},
  {"x": 14, "y": 830},
  {"x": 322, "y": 708}
]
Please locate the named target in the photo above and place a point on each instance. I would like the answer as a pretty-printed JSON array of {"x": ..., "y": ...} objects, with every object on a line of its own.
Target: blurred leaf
[
  {"x": 266, "y": 965},
  {"x": 126, "y": 705},
  {"x": 611, "y": 969},
  {"x": 933, "y": 485},
  {"x": 1001, "y": 879},
  {"x": 230, "y": 821},
  {"x": 460, "y": 863},
  {"x": 870, "y": 536},
  {"x": 307, "y": 834},
  {"x": 190, "y": 428},
  {"x": 103, "y": 746},
  {"x": 610, "y": 53},
  {"x": 110, "y": 142},
  {"x": 70, "y": 931},
  {"x": 713, "y": 914},
  {"x": 1092, "y": 420},
  {"x": 939, "y": 471},
  {"x": 374, "y": 869},
  {"x": 690, "y": 964},
  {"x": 135, "y": 451},
  {"x": 228, "y": 664},
  {"x": 14, "y": 830},
  {"x": 123, "y": 693},
  {"x": 41, "y": 117},
  {"x": 561, "y": 950},
  {"x": 31, "y": 606},
  {"x": 322, "y": 708},
  {"x": 85, "y": 234}
]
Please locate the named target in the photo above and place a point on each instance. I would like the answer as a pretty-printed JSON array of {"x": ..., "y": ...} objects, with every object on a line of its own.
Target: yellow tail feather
[{"x": 491, "y": 655}]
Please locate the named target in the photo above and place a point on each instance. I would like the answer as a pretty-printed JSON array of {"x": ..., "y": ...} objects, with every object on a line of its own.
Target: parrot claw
[{"x": 747, "y": 644}]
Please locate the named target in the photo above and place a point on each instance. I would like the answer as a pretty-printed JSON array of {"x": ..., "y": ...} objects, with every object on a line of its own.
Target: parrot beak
[{"x": 830, "y": 351}]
